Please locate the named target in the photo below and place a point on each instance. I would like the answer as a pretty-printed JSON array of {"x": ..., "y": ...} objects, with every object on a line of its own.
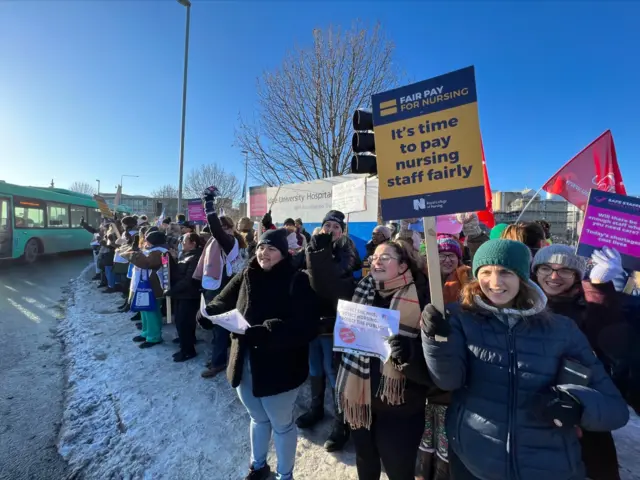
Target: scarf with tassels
[{"x": 353, "y": 386}]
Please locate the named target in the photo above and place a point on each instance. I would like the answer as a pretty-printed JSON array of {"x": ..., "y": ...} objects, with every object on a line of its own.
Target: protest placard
[
  {"x": 429, "y": 148},
  {"x": 350, "y": 197},
  {"x": 102, "y": 205},
  {"x": 195, "y": 212},
  {"x": 232, "y": 321},
  {"x": 363, "y": 330},
  {"x": 612, "y": 220}
]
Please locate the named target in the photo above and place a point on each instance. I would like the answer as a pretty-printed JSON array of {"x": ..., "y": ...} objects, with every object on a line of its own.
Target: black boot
[
  {"x": 424, "y": 465},
  {"x": 339, "y": 435},
  {"x": 441, "y": 471},
  {"x": 316, "y": 412}
]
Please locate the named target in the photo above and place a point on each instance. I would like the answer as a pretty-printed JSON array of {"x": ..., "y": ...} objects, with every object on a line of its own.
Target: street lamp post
[
  {"x": 187, "y": 4},
  {"x": 98, "y": 186},
  {"x": 244, "y": 188},
  {"x": 122, "y": 176}
]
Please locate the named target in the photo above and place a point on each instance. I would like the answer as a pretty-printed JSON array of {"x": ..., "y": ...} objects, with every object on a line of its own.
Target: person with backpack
[
  {"x": 147, "y": 262},
  {"x": 269, "y": 362}
]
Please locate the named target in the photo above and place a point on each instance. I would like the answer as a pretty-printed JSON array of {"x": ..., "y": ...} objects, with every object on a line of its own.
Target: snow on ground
[{"x": 135, "y": 414}]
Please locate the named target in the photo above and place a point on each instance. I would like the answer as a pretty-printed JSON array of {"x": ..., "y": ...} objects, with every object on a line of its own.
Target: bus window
[
  {"x": 4, "y": 214},
  {"x": 94, "y": 217},
  {"x": 58, "y": 215},
  {"x": 28, "y": 213},
  {"x": 76, "y": 214}
]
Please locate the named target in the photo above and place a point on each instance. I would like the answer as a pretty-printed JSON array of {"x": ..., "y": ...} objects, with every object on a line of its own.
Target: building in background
[
  {"x": 561, "y": 215},
  {"x": 137, "y": 204}
]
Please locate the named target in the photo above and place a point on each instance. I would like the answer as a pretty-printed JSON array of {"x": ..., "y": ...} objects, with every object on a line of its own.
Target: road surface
[{"x": 31, "y": 369}]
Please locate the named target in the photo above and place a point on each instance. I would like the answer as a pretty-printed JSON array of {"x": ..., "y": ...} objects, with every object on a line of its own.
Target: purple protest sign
[
  {"x": 195, "y": 211},
  {"x": 612, "y": 220}
]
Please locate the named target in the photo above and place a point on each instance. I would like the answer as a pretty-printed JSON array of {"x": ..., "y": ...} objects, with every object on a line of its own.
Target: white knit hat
[{"x": 561, "y": 255}]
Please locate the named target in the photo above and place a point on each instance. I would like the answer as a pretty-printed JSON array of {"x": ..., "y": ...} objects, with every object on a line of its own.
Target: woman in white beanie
[{"x": 594, "y": 305}]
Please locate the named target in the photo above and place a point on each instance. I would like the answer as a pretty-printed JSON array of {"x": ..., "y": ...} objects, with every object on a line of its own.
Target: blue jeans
[
  {"x": 111, "y": 277},
  {"x": 274, "y": 413},
  {"x": 321, "y": 358},
  {"x": 220, "y": 345}
]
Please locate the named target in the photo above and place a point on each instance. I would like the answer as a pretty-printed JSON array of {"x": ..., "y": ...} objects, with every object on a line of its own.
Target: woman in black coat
[
  {"x": 186, "y": 292},
  {"x": 269, "y": 362}
]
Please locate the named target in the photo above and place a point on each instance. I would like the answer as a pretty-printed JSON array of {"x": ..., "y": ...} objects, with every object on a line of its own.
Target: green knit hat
[
  {"x": 509, "y": 254},
  {"x": 496, "y": 231}
]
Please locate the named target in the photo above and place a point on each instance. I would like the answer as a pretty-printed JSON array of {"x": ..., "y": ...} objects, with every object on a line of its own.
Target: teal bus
[{"x": 37, "y": 221}]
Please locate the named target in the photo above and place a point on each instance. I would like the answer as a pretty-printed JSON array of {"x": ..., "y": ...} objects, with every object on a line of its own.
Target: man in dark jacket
[
  {"x": 301, "y": 229},
  {"x": 331, "y": 260}
]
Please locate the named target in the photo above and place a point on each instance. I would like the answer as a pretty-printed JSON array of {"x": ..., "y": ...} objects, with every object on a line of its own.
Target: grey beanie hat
[{"x": 561, "y": 255}]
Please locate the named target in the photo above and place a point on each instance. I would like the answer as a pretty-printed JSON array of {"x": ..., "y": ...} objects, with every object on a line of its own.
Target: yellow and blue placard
[{"x": 429, "y": 148}]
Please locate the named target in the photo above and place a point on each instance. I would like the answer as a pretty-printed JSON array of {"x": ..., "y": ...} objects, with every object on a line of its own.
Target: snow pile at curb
[{"x": 133, "y": 414}]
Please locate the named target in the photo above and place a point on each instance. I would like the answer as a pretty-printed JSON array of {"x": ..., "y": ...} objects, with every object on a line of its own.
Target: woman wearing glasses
[
  {"x": 384, "y": 402},
  {"x": 594, "y": 305}
]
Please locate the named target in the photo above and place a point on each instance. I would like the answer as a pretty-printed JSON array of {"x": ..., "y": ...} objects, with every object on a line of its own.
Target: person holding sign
[
  {"x": 594, "y": 305},
  {"x": 384, "y": 402},
  {"x": 269, "y": 362},
  {"x": 515, "y": 407}
]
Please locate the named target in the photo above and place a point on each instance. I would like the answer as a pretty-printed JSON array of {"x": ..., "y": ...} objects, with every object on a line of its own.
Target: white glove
[
  {"x": 607, "y": 265},
  {"x": 470, "y": 224}
]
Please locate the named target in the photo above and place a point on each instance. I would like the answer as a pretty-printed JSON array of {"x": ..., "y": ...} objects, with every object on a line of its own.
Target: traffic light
[{"x": 363, "y": 144}]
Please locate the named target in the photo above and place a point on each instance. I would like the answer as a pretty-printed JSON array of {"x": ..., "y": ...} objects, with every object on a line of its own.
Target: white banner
[
  {"x": 364, "y": 330},
  {"x": 350, "y": 197},
  {"x": 311, "y": 201}
]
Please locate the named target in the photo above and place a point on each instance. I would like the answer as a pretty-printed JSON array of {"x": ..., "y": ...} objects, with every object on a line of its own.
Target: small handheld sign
[{"x": 165, "y": 277}]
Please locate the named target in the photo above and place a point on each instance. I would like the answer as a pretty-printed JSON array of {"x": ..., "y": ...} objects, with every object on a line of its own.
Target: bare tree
[
  {"x": 205, "y": 176},
  {"x": 82, "y": 187},
  {"x": 165, "y": 191},
  {"x": 302, "y": 130}
]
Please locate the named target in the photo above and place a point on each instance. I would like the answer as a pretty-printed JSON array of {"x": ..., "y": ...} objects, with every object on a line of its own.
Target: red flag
[
  {"x": 486, "y": 216},
  {"x": 595, "y": 167}
]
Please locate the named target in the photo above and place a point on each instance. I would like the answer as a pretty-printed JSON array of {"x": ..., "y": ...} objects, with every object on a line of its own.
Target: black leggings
[
  {"x": 393, "y": 440},
  {"x": 186, "y": 311}
]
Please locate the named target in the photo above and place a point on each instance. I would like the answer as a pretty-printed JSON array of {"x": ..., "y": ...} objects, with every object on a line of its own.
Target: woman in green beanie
[{"x": 512, "y": 416}]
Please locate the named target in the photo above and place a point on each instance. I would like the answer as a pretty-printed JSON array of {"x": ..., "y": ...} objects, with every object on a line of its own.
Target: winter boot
[
  {"x": 339, "y": 435},
  {"x": 316, "y": 413},
  {"x": 261, "y": 474},
  {"x": 424, "y": 465},
  {"x": 441, "y": 471}
]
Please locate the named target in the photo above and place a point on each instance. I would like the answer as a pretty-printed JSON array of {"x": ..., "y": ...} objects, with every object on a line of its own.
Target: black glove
[
  {"x": 168, "y": 293},
  {"x": 267, "y": 221},
  {"x": 209, "y": 198},
  {"x": 204, "y": 321},
  {"x": 558, "y": 408},
  {"x": 256, "y": 335},
  {"x": 320, "y": 241},
  {"x": 401, "y": 350},
  {"x": 135, "y": 246},
  {"x": 434, "y": 323}
]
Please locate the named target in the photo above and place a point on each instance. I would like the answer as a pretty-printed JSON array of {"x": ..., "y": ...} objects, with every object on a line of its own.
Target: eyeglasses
[
  {"x": 384, "y": 258},
  {"x": 547, "y": 271},
  {"x": 448, "y": 257}
]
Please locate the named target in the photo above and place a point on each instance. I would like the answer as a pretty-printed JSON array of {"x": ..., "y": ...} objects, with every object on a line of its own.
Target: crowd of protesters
[{"x": 479, "y": 391}]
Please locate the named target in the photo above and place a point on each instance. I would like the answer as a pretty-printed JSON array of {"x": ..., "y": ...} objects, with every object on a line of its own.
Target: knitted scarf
[{"x": 353, "y": 386}]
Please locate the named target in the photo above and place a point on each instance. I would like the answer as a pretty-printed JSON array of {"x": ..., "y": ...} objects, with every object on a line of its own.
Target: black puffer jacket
[
  {"x": 282, "y": 301},
  {"x": 183, "y": 285},
  {"x": 331, "y": 274}
]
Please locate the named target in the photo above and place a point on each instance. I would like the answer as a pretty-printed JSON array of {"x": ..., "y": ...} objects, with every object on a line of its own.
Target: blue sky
[{"x": 92, "y": 89}]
